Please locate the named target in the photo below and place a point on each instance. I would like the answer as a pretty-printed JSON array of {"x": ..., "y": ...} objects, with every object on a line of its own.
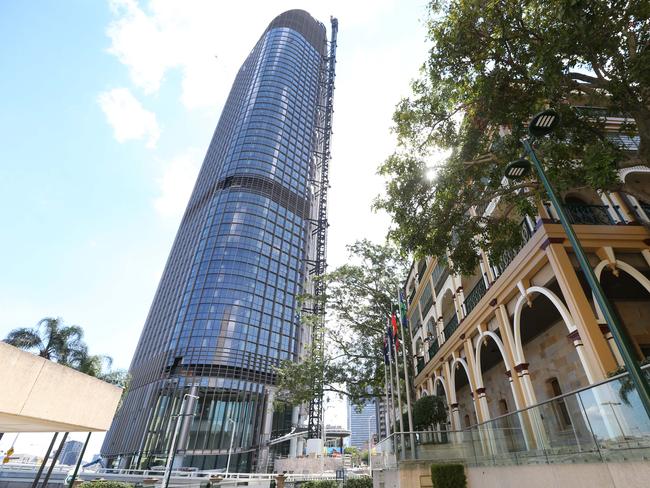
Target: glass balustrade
[{"x": 602, "y": 423}]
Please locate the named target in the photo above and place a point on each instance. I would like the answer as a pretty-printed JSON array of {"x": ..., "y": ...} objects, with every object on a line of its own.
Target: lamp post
[
  {"x": 232, "y": 438},
  {"x": 172, "y": 448},
  {"x": 370, "y": 446},
  {"x": 542, "y": 124}
]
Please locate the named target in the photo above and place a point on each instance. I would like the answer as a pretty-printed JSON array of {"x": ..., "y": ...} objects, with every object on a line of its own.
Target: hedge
[
  {"x": 319, "y": 484},
  {"x": 448, "y": 476},
  {"x": 365, "y": 482}
]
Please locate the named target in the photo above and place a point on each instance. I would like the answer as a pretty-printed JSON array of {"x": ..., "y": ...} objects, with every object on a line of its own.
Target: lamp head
[
  {"x": 517, "y": 169},
  {"x": 543, "y": 123}
]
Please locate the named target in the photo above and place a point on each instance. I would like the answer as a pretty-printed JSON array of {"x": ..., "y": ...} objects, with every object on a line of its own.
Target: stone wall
[{"x": 550, "y": 355}]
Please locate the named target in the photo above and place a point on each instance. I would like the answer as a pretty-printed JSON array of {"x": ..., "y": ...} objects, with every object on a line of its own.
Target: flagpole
[
  {"x": 387, "y": 412},
  {"x": 399, "y": 397},
  {"x": 392, "y": 397},
  {"x": 406, "y": 375}
]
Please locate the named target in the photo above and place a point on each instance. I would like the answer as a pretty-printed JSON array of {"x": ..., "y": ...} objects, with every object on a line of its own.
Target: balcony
[
  {"x": 507, "y": 257},
  {"x": 474, "y": 296},
  {"x": 433, "y": 348},
  {"x": 588, "y": 214},
  {"x": 439, "y": 276},
  {"x": 420, "y": 365},
  {"x": 450, "y": 326}
]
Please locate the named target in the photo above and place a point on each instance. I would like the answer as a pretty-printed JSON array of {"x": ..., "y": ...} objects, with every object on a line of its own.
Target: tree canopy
[
  {"x": 492, "y": 65},
  {"x": 64, "y": 344},
  {"x": 428, "y": 411},
  {"x": 359, "y": 298}
]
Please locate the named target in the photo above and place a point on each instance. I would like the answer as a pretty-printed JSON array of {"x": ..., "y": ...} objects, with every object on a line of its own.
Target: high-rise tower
[{"x": 252, "y": 237}]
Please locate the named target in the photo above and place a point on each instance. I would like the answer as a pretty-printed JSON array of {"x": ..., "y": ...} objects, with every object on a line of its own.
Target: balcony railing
[
  {"x": 588, "y": 214},
  {"x": 601, "y": 423},
  {"x": 433, "y": 348},
  {"x": 420, "y": 365},
  {"x": 474, "y": 296},
  {"x": 439, "y": 276},
  {"x": 450, "y": 326},
  {"x": 507, "y": 257}
]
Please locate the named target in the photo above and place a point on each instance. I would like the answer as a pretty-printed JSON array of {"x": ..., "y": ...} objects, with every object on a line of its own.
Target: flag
[
  {"x": 391, "y": 338},
  {"x": 395, "y": 331},
  {"x": 386, "y": 358},
  {"x": 402, "y": 309}
]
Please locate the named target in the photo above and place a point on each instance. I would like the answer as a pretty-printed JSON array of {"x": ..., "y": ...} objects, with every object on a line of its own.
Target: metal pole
[
  {"x": 79, "y": 460},
  {"x": 369, "y": 447},
  {"x": 616, "y": 328},
  {"x": 387, "y": 410},
  {"x": 392, "y": 400},
  {"x": 232, "y": 438},
  {"x": 54, "y": 460},
  {"x": 172, "y": 447},
  {"x": 47, "y": 455},
  {"x": 399, "y": 401},
  {"x": 406, "y": 376}
]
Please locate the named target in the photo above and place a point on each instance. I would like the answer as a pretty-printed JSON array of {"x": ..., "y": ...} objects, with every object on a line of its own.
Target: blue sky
[{"x": 106, "y": 113}]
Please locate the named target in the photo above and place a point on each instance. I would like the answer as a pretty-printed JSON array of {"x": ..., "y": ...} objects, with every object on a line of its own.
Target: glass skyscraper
[{"x": 226, "y": 311}]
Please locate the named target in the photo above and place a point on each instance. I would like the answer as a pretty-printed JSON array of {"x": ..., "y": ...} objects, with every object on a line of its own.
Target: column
[
  {"x": 481, "y": 415},
  {"x": 596, "y": 356}
]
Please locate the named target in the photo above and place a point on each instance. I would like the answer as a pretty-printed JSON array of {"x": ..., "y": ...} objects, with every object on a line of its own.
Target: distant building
[
  {"x": 70, "y": 453},
  {"x": 362, "y": 424}
]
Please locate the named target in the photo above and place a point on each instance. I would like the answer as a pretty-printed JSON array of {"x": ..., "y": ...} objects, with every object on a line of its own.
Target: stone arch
[
  {"x": 483, "y": 337},
  {"x": 629, "y": 269},
  {"x": 463, "y": 363},
  {"x": 623, "y": 173},
  {"x": 440, "y": 379},
  {"x": 555, "y": 300}
]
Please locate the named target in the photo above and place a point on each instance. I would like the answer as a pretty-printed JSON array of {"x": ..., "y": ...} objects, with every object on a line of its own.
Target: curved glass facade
[{"x": 226, "y": 310}]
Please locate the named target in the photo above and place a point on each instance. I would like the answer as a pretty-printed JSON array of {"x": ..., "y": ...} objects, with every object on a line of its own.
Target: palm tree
[
  {"x": 51, "y": 340},
  {"x": 64, "y": 344}
]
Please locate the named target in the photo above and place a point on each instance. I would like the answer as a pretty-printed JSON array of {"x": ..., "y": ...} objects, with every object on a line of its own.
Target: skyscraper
[
  {"x": 363, "y": 424},
  {"x": 226, "y": 311}
]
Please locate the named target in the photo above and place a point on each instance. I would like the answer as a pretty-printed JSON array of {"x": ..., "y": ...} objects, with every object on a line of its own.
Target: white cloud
[
  {"x": 129, "y": 119},
  {"x": 206, "y": 40},
  {"x": 175, "y": 184}
]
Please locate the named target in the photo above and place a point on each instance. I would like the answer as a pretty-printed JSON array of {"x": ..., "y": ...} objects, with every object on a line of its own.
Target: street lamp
[
  {"x": 543, "y": 124},
  {"x": 232, "y": 438},
  {"x": 172, "y": 448}
]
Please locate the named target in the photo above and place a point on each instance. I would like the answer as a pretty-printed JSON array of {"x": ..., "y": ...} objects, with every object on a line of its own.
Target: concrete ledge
[{"x": 37, "y": 395}]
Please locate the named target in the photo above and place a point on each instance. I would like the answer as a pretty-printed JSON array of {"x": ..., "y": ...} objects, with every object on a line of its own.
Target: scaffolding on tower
[{"x": 322, "y": 157}]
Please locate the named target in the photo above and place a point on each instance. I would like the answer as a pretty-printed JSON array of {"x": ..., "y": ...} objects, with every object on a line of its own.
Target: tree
[
  {"x": 52, "y": 340},
  {"x": 359, "y": 299},
  {"x": 64, "y": 344},
  {"x": 428, "y": 411},
  {"x": 492, "y": 65}
]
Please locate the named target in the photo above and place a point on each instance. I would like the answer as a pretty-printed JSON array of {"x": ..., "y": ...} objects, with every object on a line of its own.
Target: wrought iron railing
[
  {"x": 588, "y": 214},
  {"x": 474, "y": 296},
  {"x": 433, "y": 348},
  {"x": 439, "y": 276},
  {"x": 450, "y": 326},
  {"x": 420, "y": 365},
  {"x": 507, "y": 257}
]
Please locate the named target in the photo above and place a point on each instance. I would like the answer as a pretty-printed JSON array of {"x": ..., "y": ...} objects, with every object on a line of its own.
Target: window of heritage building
[{"x": 559, "y": 405}]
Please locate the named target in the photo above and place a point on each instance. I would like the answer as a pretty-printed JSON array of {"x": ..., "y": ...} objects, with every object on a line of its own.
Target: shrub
[
  {"x": 319, "y": 484},
  {"x": 365, "y": 482},
  {"x": 105, "y": 484},
  {"x": 448, "y": 476}
]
